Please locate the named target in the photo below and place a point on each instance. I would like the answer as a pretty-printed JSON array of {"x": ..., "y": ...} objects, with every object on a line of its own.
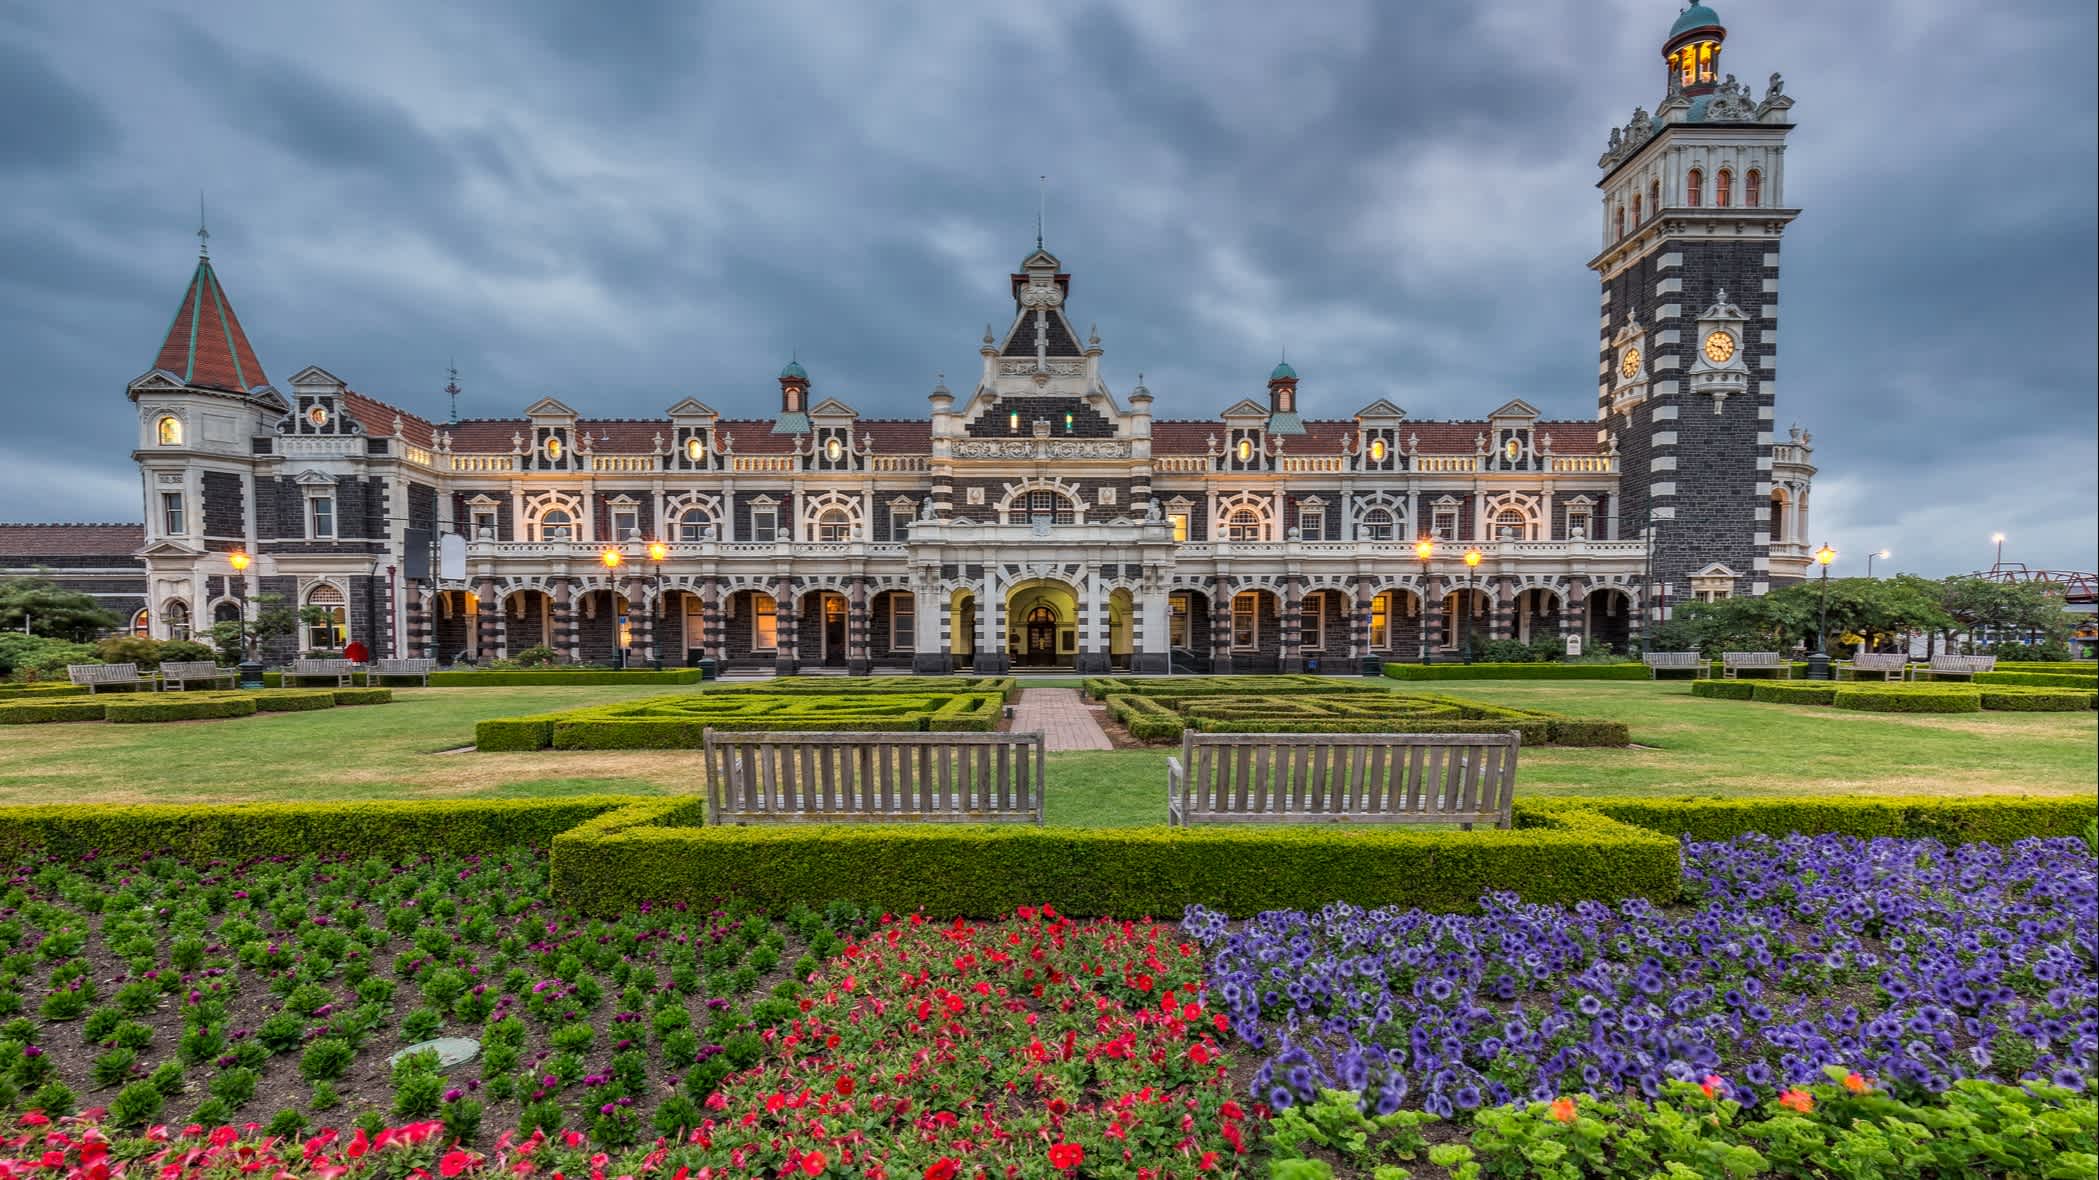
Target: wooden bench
[
  {"x": 1733, "y": 663},
  {"x": 381, "y": 669},
  {"x": 1659, "y": 662},
  {"x": 336, "y": 670},
  {"x": 1381, "y": 778},
  {"x": 180, "y": 674},
  {"x": 96, "y": 677},
  {"x": 1889, "y": 665},
  {"x": 794, "y": 777},
  {"x": 1960, "y": 667}
]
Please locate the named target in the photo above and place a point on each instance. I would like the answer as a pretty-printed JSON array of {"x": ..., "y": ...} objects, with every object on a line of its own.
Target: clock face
[
  {"x": 1719, "y": 347},
  {"x": 1630, "y": 366},
  {"x": 318, "y": 415}
]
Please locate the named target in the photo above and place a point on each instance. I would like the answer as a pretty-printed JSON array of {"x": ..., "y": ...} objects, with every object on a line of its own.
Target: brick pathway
[{"x": 1063, "y": 718}]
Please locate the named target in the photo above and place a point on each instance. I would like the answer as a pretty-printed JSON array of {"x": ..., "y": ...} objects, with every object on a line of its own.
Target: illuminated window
[
  {"x": 1378, "y": 525},
  {"x": 1723, "y": 188},
  {"x": 1246, "y": 619},
  {"x": 142, "y": 624},
  {"x": 765, "y": 624},
  {"x": 553, "y": 448},
  {"x": 1245, "y": 450},
  {"x": 1070, "y": 422},
  {"x": 168, "y": 431},
  {"x": 1176, "y": 620},
  {"x": 1013, "y": 421},
  {"x": 555, "y": 524},
  {"x": 1707, "y": 51},
  {"x": 327, "y": 620},
  {"x": 1694, "y": 188},
  {"x": 1688, "y": 64},
  {"x": 1378, "y": 450},
  {"x": 693, "y": 524},
  {"x": 1752, "y": 188},
  {"x": 1243, "y": 525},
  {"x": 833, "y": 526},
  {"x": 1381, "y": 621},
  {"x": 1179, "y": 521},
  {"x": 833, "y": 449},
  {"x": 695, "y": 448}
]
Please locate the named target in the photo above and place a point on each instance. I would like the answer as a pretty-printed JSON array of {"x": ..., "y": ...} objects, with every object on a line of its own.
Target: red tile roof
[
  {"x": 377, "y": 418},
  {"x": 205, "y": 346},
  {"x": 69, "y": 540},
  {"x": 1323, "y": 436}
]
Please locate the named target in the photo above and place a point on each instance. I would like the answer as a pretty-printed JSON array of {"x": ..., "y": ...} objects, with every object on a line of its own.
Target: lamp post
[
  {"x": 1425, "y": 549},
  {"x": 250, "y": 668},
  {"x": 1999, "y": 539},
  {"x": 612, "y": 559},
  {"x": 1818, "y": 663},
  {"x": 657, "y": 552},
  {"x": 1472, "y": 562},
  {"x": 1880, "y": 553}
]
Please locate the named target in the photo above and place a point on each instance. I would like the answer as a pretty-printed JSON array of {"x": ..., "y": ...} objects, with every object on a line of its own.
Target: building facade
[{"x": 1038, "y": 517}]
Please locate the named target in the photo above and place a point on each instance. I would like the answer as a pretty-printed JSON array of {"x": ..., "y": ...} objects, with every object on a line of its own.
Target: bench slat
[{"x": 1378, "y": 778}]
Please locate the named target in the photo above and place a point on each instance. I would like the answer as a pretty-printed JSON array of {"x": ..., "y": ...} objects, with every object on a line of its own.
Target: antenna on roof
[
  {"x": 203, "y": 230},
  {"x": 1041, "y": 206},
  {"x": 452, "y": 388}
]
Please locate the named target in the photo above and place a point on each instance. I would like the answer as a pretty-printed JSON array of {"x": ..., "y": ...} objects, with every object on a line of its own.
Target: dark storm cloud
[{"x": 623, "y": 205}]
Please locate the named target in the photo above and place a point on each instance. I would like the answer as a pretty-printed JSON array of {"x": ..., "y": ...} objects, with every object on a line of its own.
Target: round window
[
  {"x": 695, "y": 449},
  {"x": 318, "y": 415},
  {"x": 553, "y": 448},
  {"x": 1377, "y": 450},
  {"x": 833, "y": 449},
  {"x": 1246, "y": 450}
]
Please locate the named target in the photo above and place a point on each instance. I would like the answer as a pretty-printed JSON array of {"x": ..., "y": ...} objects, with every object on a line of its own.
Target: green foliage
[
  {"x": 1336, "y": 1123},
  {"x": 1517, "y": 671},
  {"x": 537, "y": 656},
  {"x": 136, "y": 1105},
  {"x": 1910, "y": 699},
  {"x": 1793, "y": 692},
  {"x": 186, "y": 651},
  {"x": 511, "y": 678},
  {"x": 325, "y": 1059},
  {"x": 2038, "y": 679},
  {"x": 143, "y": 707},
  {"x": 40, "y": 656},
  {"x": 52, "y": 613},
  {"x": 269, "y": 617},
  {"x": 1158, "y": 712},
  {"x": 680, "y": 722},
  {"x": 37, "y": 712},
  {"x": 1978, "y": 819},
  {"x": 2036, "y": 700},
  {"x": 129, "y": 649}
]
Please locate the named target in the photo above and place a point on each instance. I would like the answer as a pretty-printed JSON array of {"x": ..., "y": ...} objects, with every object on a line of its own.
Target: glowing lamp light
[
  {"x": 612, "y": 558},
  {"x": 239, "y": 560},
  {"x": 1884, "y": 555},
  {"x": 1424, "y": 549},
  {"x": 658, "y": 551},
  {"x": 1997, "y": 537},
  {"x": 1825, "y": 555},
  {"x": 1472, "y": 557}
]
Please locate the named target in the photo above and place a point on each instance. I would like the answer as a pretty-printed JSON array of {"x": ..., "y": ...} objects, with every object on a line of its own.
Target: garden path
[{"x": 1062, "y": 716}]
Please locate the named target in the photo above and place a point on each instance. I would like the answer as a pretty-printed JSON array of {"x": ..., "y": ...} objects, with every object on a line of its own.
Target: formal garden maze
[
  {"x": 1162, "y": 710},
  {"x": 879, "y": 705},
  {"x": 144, "y": 707}
]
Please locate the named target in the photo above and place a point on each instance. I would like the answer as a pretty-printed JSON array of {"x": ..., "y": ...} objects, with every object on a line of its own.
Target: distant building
[{"x": 1039, "y": 518}]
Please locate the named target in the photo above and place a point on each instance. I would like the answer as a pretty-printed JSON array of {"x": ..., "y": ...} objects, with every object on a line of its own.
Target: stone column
[
  {"x": 568, "y": 637},
  {"x": 1434, "y": 614},
  {"x": 1151, "y": 638},
  {"x": 1220, "y": 624},
  {"x": 1503, "y": 606},
  {"x": 642, "y": 612},
  {"x": 1093, "y": 625},
  {"x": 787, "y": 628},
  {"x": 990, "y": 658},
  {"x": 933, "y": 650},
  {"x": 489, "y": 622},
  {"x": 714, "y": 638},
  {"x": 857, "y": 660},
  {"x": 1290, "y": 658}
]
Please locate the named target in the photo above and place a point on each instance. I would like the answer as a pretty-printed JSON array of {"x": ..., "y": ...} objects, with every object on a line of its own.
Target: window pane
[
  {"x": 171, "y": 512},
  {"x": 765, "y": 623}
]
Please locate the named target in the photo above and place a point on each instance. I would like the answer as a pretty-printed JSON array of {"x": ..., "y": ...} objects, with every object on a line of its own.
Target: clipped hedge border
[
  {"x": 141, "y": 708},
  {"x": 525, "y": 677},
  {"x": 1146, "y": 719},
  {"x": 1785, "y": 692},
  {"x": 1991, "y": 819},
  {"x": 363, "y": 696},
  {"x": 39, "y": 712},
  {"x": 2038, "y": 700},
  {"x": 2040, "y": 679},
  {"x": 1726, "y": 690},
  {"x": 1910, "y": 700},
  {"x": 39, "y": 690},
  {"x": 1516, "y": 671},
  {"x": 294, "y": 700}
]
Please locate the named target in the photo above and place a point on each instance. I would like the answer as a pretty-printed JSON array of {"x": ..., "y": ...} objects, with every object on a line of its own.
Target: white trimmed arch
[
  {"x": 831, "y": 516},
  {"x": 1023, "y": 501},
  {"x": 1245, "y": 517},
  {"x": 692, "y": 517},
  {"x": 566, "y": 513},
  {"x": 1381, "y": 516},
  {"x": 1516, "y": 512}
]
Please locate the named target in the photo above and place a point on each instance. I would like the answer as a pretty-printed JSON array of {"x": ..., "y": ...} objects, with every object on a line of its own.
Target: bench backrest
[
  {"x": 1381, "y": 777},
  {"x": 1672, "y": 659},
  {"x": 102, "y": 673},
  {"x": 1880, "y": 661},
  {"x": 191, "y": 670},
  {"x": 790, "y": 777},
  {"x": 320, "y": 667},
  {"x": 1750, "y": 659},
  {"x": 1963, "y": 663},
  {"x": 404, "y": 667}
]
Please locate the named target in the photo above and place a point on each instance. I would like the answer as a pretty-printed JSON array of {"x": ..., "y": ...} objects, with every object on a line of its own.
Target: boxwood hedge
[
  {"x": 2084, "y": 679},
  {"x": 34, "y": 712},
  {"x": 1516, "y": 671},
  {"x": 680, "y": 722},
  {"x": 140, "y": 708},
  {"x": 144, "y": 707},
  {"x": 1788, "y": 692},
  {"x": 1726, "y": 690},
  {"x": 1159, "y": 711},
  {"x": 1910, "y": 699}
]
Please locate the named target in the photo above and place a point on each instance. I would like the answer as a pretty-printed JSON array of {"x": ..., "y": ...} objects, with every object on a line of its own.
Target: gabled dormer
[
  {"x": 1377, "y": 438},
  {"x": 317, "y": 406},
  {"x": 552, "y": 445},
  {"x": 1512, "y": 443},
  {"x": 693, "y": 445},
  {"x": 1245, "y": 437},
  {"x": 831, "y": 446}
]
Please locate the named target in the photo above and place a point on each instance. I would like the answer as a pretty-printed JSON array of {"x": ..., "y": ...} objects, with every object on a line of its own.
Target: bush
[
  {"x": 130, "y": 649},
  {"x": 2037, "y": 700},
  {"x": 537, "y": 656},
  {"x": 34, "y": 712},
  {"x": 681, "y": 722},
  {"x": 39, "y": 656},
  {"x": 293, "y": 700},
  {"x": 1786, "y": 692},
  {"x": 1724, "y": 690},
  {"x": 2040, "y": 679},
  {"x": 362, "y": 696},
  {"x": 1146, "y": 719},
  {"x": 169, "y": 707},
  {"x": 186, "y": 650},
  {"x": 1907, "y": 699},
  {"x": 1996, "y": 819},
  {"x": 40, "y": 690},
  {"x": 1558, "y": 671}
]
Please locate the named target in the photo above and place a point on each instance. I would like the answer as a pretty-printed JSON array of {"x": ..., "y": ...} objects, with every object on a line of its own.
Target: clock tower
[{"x": 1694, "y": 204}]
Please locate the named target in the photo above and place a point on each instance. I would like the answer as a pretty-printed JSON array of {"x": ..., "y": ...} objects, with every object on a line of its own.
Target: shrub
[
  {"x": 520, "y": 677},
  {"x": 1996, "y": 819},
  {"x": 680, "y": 722},
  {"x": 1786, "y": 692},
  {"x": 36, "y": 712},
  {"x": 2037, "y": 700},
  {"x": 1724, "y": 690},
  {"x": 294, "y": 700},
  {"x": 2049, "y": 679},
  {"x": 1513, "y": 671},
  {"x": 130, "y": 649},
  {"x": 40, "y": 690},
  {"x": 170, "y": 707},
  {"x": 536, "y": 656},
  {"x": 1908, "y": 699},
  {"x": 362, "y": 696},
  {"x": 186, "y": 651},
  {"x": 136, "y": 1105},
  {"x": 41, "y": 656}
]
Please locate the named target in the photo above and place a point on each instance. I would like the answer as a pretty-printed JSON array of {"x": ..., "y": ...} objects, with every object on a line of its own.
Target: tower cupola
[
  {"x": 794, "y": 400},
  {"x": 1693, "y": 51}
]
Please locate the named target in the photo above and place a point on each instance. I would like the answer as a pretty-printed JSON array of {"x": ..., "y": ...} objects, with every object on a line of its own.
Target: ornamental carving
[
  {"x": 1014, "y": 368},
  {"x": 1041, "y": 295},
  {"x": 1016, "y": 448}
]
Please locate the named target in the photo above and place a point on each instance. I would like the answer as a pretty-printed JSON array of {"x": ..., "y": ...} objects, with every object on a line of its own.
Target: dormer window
[
  {"x": 1512, "y": 450},
  {"x": 695, "y": 448},
  {"x": 553, "y": 448},
  {"x": 317, "y": 417},
  {"x": 168, "y": 431},
  {"x": 1378, "y": 450},
  {"x": 833, "y": 449},
  {"x": 1245, "y": 450}
]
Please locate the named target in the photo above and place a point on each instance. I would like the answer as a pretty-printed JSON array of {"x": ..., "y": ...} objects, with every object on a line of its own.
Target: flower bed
[
  {"x": 1160, "y": 711},
  {"x": 681, "y": 722},
  {"x": 1914, "y": 962},
  {"x": 146, "y": 707}
]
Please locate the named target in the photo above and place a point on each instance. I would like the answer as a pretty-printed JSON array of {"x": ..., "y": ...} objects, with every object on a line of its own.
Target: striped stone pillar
[
  {"x": 713, "y": 632},
  {"x": 787, "y": 628},
  {"x": 488, "y": 621},
  {"x": 1220, "y": 624},
  {"x": 1290, "y": 658},
  {"x": 568, "y": 637},
  {"x": 858, "y": 661}
]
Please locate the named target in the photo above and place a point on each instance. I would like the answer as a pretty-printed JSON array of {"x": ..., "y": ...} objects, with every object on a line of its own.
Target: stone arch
[
  {"x": 1516, "y": 512},
  {"x": 1019, "y": 505},
  {"x": 692, "y": 517},
  {"x": 832, "y": 518},
  {"x": 556, "y": 516},
  {"x": 1381, "y": 516},
  {"x": 1245, "y": 517},
  {"x": 1042, "y": 622}
]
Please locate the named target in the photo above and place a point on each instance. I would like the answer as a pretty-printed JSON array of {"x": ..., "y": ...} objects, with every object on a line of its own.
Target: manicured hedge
[
  {"x": 2037, "y": 700},
  {"x": 2040, "y": 679},
  {"x": 681, "y": 722},
  {"x": 1516, "y": 671},
  {"x": 1909, "y": 699},
  {"x": 1159, "y": 711},
  {"x": 220, "y": 830},
  {"x": 39, "y": 690},
  {"x": 1996, "y": 819},
  {"x": 363, "y": 696},
  {"x": 1006, "y": 686},
  {"x": 1725, "y": 690},
  {"x": 1146, "y": 719},
  {"x": 38, "y": 712},
  {"x": 294, "y": 700},
  {"x": 1100, "y": 688},
  {"x": 1787, "y": 692},
  {"x": 140, "y": 707}
]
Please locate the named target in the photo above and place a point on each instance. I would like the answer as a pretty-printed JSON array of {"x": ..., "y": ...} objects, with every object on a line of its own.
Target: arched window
[
  {"x": 226, "y": 612},
  {"x": 555, "y": 524},
  {"x": 1654, "y": 198},
  {"x": 1043, "y": 505},
  {"x": 1753, "y": 188},
  {"x": 176, "y": 613},
  {"x": 694, "y": 523},
  {"x": 1516, "y": 523},
  {"x": 1777, "y": 522},
  {"x": 1723, "y": 188},
  {"x": 327, "y": 622},
  {"x": 1244, "y": 524},
  {"x": 1378, "y": 525},
  {"x": 1694, "y": 188},
  {"x": 1620, "y": 221},
  {"x": 142, "y": 624},
  {"x": 168, "y": 431},
  {"x": 834, "y": 526},
  {"x": 1636, "y": 208}
]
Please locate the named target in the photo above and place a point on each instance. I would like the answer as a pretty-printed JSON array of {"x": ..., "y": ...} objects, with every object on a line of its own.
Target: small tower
[
  {"x": 794, "y": 400},
  {"x": 1693, "y": 52},
  {"x": 1282, "y": 400}
]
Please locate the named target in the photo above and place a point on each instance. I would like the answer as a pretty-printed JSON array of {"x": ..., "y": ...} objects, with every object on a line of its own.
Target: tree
[
  {"x": 52, "y": 612},
  {"x": 2016, "y": 609},
  {"x": 270, "y": 617}
]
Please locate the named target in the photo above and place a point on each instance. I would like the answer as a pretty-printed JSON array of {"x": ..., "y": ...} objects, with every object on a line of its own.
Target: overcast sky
[{"x": 625, "y": 204}]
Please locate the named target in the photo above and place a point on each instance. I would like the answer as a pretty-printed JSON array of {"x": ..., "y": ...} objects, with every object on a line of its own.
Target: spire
[
  {"x": 203, "y": 228},
  {"x": 1041, "y": 206},
  {"x": 452, "y": 390},
  {"x": 205, "y": 346}
]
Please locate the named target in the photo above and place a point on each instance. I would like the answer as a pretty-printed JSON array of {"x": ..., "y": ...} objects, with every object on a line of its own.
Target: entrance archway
[
  {"x": 823, "y": 622},
  {"x": 1039, "y": 648},
  {"x": 962, "y": 628},
  {"x": 1608, "y": 618},
  {"x": 1042, "y": 625}
]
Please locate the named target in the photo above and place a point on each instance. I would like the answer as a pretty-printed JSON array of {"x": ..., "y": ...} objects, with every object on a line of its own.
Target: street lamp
[
  {"x": 1425, "y": 549},
  {"x": 240, "y": 561},
  {"x": 1472, "y": 562},
  {"x": 1818, "y": 663},
  {"x": 1999, "y": 538},
  {"x": 657, "y": 552},
  {"x": 611, "y": 558},
  {"x": 1882, "y": 554}
]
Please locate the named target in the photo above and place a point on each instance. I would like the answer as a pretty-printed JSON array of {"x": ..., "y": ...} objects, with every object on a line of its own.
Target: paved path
[{"x": 1063, "y": 718}]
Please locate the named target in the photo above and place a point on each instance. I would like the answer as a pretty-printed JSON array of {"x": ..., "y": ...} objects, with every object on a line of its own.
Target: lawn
[{"x": 1687, "y": 745}]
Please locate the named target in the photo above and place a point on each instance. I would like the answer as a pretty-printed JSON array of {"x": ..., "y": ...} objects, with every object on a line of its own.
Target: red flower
[
  {"x": 1208, "y": 1161},
  {"x": 359, "y": 1144},
  {"x": 844, "y": 1086},
  {"x": 942, "y": 1169},
  {"x": 1199, "y": 1053},
  {"x": 35, "y": 1118},
  {"x": 1563, "y": 1109},
  {"x": 814, "y": 1163},
  {"x": 1799, "y": 1100},
  {"x": 454, "y": 1162},
  {"x": 224, "y": 1136},
  {"x": 1231, "y": 1110},
  {"x": 1066, "y": 1155}
]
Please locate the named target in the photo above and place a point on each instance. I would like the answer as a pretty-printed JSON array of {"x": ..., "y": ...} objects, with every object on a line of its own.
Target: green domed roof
[
  {"x": 1698, "y": 16},
  {"x": 1283, "y": 369},
  {"x": 795, "y": 369}
]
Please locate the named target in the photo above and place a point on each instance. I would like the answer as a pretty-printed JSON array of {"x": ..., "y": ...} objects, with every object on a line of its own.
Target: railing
[
  {"x": 627, "y": 463},
  {"x": 319, "y": 446},
  {"x": 889, "y": 463},
  {"x": 1584, "y": 464},
  {"x": 1445, "y": 463},
  {"x": 1313, "y": 464},
  {"x": 1180, "y": 464},
  {"x": 751, "y": 463},
  {"x": 1790, "y": 455},
  {"x": 415, "y": 454},
  {"x": 484, "y": 462}
]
